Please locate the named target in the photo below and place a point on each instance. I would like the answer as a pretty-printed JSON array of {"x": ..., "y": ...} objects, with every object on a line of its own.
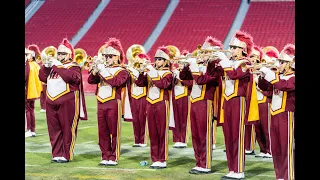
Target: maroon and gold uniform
[
  {"x": 110, "y": 82},
  {"x": 262, "y": 128},
  {"x": 239, "y": 106},
  {"x": 181, "y": 102},
  {"x": 282, "y": 111},
  {"x": 109, "y": 111},
  {"x": 205, "y": 78},
  {"x": 33, "y": 87},
  {"x": 159, "y": 83},
  {"x": 65, "y": 102},
  {"x": 138, "y": 107}
]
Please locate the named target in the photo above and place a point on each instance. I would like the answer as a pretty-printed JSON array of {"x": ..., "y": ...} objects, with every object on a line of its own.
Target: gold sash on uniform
[{"x": 34, "y": 83}]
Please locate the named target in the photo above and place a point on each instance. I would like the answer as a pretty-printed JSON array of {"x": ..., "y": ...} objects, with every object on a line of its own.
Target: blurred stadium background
[{"x": 151, "y": 23}]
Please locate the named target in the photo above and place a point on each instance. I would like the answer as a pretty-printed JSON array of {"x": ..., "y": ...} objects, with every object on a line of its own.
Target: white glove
[
  {"x": 176, "y": 73},
  {"x": 220, "y": 55},
  {"x": 55, "y": 62},
  {"x": 226, "y": 63},
  {"x": 150, "y": 67},
  {"x": 194, "y": 67},
  {"x": 134, "y": 72},
  {"x": 48, "y": 64},
  {"x": 95, "y": 69},
  {"x": 103, "y": 70},
  {"x": 264, "y": 70},
  {"x": 153, "y": 73},
  {"x": 100, "y": 67}
]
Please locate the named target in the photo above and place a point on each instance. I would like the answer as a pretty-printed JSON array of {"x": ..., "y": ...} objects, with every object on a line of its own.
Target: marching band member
[
  {"x": 201, "y": 110},
  {"x": 239, "y": 105},
  {"x": 250, "y": 134},
  {"x": 33, "y": 87},
  {"x": 262, "y": 127},
  {"x": 110, "y": 80},
  {"x": 282, "y": 111},
  {"x": 180, "y": 101},
  {"x": 43, "y": 94},
  {"x": 159, "y": 109},
  {"x": 44, "y": 88},
  {"x": 65, "y": 102},
  {"x": 217, "y": 72},
  {"x": 136, "y": 55}
]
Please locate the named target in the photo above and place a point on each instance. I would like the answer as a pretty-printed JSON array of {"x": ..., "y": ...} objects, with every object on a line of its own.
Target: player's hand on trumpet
[{"x": 220, "y": 55}]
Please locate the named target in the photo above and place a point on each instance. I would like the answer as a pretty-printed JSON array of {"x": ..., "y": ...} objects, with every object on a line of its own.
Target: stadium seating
[
  {"x": 193, "y": 21},
  {"x": 130, "y": 21},
  {"x": 56, "y": 20},
  {"x": 26, "y": 3},
  {"x": 271, "y": 23}
]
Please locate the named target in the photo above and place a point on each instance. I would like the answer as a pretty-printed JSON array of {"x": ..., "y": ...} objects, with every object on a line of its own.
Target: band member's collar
[
  {"x": 163, "y": 68},
  {"x": 116, "y": 65},
  {"x": 66, "y": 62},
  {"x": 287, "y": 74}
]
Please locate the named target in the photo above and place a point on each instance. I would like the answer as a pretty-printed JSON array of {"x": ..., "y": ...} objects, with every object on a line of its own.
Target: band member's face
[
  {"x": 63, "y": 56},
  {"x": 236, "y": 52},
  {"x": 159, "y": 62},
  {"x": 283, "y": 65},
  {"x": 112, "y": 59},
  {"x": 253, "y": 58}
]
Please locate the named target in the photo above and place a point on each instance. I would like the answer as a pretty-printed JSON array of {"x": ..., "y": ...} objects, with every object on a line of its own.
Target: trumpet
[
  {"x": 254, "y": 69},
  {"x": 139, "y": 66},
  {"x": 48, "y": 54},
  {"x": 88, "y": 62},
  {"x": 92, "y": 62}
]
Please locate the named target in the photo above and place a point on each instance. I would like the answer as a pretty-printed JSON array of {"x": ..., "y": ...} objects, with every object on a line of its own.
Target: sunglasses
[
  {"x": 282, "y": 61},
  {"x": 108, "y": 55},
  {"x": 158, "y": 58},
  {"x": 62, "y": 53},
  {"x": 235, "y": 47}
]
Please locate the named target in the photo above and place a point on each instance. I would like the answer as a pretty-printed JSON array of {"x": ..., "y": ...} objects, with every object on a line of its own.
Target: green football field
[{"x": 87, "y": 156}]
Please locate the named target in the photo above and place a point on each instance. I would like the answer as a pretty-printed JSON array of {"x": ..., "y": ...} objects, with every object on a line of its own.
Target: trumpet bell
[
  {"x": 133, "y": 51},
  {"x": 48, "y": 52},
  {"x": 197, "y": 51},
  {"x": 174, "y": 51},
  {"x": 80, "y": 56}
]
